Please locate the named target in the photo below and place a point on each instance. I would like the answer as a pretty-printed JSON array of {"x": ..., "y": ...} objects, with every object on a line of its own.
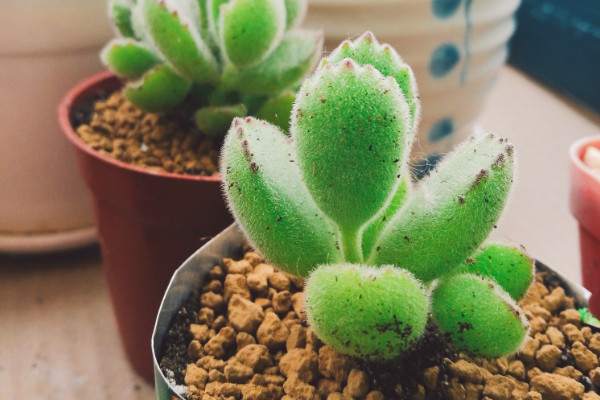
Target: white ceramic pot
[
  {"x": 47, "y": 47},
  {"x": 455, "y": 48}
]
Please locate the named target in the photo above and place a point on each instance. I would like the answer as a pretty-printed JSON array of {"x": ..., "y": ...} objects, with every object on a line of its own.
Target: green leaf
[
  {"x": 451, "y": 212},
  {"x": 277, "y": 110},
  {"x": 128, "y": 58},
  {"x": 176, "y": 35},
  {"x": 158, "y": 90},
  {"x": 367, "y": 50},
  {"x": 366, "y": 312},
  {"x": 295, "y": 10},
  {"x": 120, "y": 13},
  {"x": 479, "y": 316},
  {"x": 251, "y": 29},
  {"x": 284, "y": 68},
  {"x": 261, "y": 184},
  {"x": 349, "y": 127},
  {"x": 215, "y": 121},
  {"x": 508, "y": 266}
]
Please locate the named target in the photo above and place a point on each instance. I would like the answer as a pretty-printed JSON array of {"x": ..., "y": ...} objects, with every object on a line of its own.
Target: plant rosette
[
  {"x": 147, "y": 139},
  {"x": 375, "y": 285},
  {"x": 232, "y": 325}
]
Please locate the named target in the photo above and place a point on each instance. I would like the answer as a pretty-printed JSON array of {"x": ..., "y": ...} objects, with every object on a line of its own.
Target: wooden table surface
[{"x": 58, "y": 336}]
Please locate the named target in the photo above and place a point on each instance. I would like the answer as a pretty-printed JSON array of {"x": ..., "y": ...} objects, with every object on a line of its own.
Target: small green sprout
[
  {"x": 335, "y": 202},
  {"x": 233, "y": 57}
]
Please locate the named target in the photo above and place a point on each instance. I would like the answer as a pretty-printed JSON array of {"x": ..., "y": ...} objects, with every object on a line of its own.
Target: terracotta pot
[
  {"x": 148, "y": 224},
  {"x": 585, "y": 206}
]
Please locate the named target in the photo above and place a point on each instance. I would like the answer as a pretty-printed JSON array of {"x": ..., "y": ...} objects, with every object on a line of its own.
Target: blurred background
[{"x": 525, "y": 70}]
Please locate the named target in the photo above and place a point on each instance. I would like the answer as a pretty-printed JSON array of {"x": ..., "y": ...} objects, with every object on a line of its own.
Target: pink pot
[
  {"x": 585, "y": 206},
  {"x": 148, "y": 224}
]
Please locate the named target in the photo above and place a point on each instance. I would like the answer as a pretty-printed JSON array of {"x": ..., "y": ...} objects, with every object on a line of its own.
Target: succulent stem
[{"x": 350, "y": 247}]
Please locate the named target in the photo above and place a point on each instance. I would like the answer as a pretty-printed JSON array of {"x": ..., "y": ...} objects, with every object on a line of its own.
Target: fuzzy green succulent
[
  {"x": 335, "y": 202},
  {"x": 232, "y": 57}
]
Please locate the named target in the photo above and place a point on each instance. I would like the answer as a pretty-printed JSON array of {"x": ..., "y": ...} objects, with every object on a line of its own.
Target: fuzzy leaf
[
  {"x": 349, "y": 128},
  {"x": 260, "y": 182},
  {"x": 295, "y": 10},
  {"x": 128, "y": 58},
  {"x": 373, "y": 230},
  {"x": 285, "y": 67},
  {"x": 367, "y": 50},
  {"x": 479, "y": 316},
  {"x": 213, "y": 8},
  {"x": 158, "y": 90},
  {"x": 251, "y": 29},
  {"x": 508, "y": 266},
  {"x": 277, "y": 110},
  {"x": 175, "y": 33},
  {"x": 120, "y": 13},
  {"x": 366, "y": 312},
  {"x": 451, "y": 212},
  {"x": 215, "y": 121}
]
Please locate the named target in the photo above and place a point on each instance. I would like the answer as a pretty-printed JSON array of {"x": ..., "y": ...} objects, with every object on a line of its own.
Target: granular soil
[
  {"x": 243, "y": 335},
  {"x": 166, "y": 142}
]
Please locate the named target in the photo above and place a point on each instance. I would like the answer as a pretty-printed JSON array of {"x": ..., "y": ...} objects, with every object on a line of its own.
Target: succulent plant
[
  {"x": 232, "y": 57},
  {"x": 335, "y": 202}
]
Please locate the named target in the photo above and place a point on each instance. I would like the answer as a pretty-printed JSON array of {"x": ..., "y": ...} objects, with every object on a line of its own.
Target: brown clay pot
[{"x": 148, "y": 224}]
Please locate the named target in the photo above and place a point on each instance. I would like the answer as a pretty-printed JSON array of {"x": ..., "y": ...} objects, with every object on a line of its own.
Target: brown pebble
[
  {"x": 334, "y": 396},
  {"x": 213, "y": 286},
  {"x": 216, "y": 272},
  {"x": 586, "y": 331},
  {"x": 430, "y": 377},
  {"x": 516, "y": 368},
  {"x": 537, "y": 324},
  {"x": 253, "y": 258},
  {"x": 555, "y": 300},
  {"x": 237, "y": 267},
  {"x": 542, "y": 338},
  {"x": 333, "y": 364},
  {"x": 375, "y": 395},
  {"x": 556, "y": 387},
  {"x": 570, "y": 316},
  {"x": 263, "y": 302},
  {"x": 591, "y": 396},
  {"x": 534, "y": 294},
  {"x": 533, "y": 396},
  {"x": 244, "y": 339},
  {"x": 211, "y": 300},
  {"x": 210, "y": 362},
  {"x": 218, "y": 344},
  {"x": 196, "y": 376},
  {"x": 538, "y": 311},
  {"x": 569, "y": 372},
  {"x": 244, "y": 315},
  {"x": 594, "y": 343},
  {"x": 455, "y": 390},
  {"x": 255, "y": 356},
  {"x": 236, "y": 284},
  {"x": 297, "y": 337},
  {"x": 595, "y": 376},
  {"x": 326, "y": 386},
  {"x": 195, "y": 350},
  {"x": 472, "y": 391},
  {"x": 300, "y": 390},
  {"x": 498, "y": 387},
  {"x": 465, "y": 371},
  {"x": 199, "y": 332},
  {"x": 298, "y": 305},
  {"x": 357, "y": 384},
  {"x": 547, "y": 357},
  {"x": 206, "y": 316},
  {"x": 272, "y": 332},
  {"x": 237, "y": 372},
  {"x": 300, "y": 362},
  {"x": 527, "y": 353},
  {"x": 573, "y": 333},
  {"x": 584, "y": 358},
  {"x": 556, "y": 337},
  {"x": 218, "y": 323},
  {"x": 282, "y": 302},
  {"x": 279, "y": 281},
  {"x": 215, "y": 375}
]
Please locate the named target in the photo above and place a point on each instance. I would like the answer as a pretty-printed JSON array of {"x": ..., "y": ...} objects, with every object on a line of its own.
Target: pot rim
[
  {"x": 576, "y": 153},
  {"x": 78, "y": 93}
]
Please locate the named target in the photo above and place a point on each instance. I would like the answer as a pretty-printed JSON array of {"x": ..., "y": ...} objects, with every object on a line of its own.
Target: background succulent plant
[
  {"x": 336, "y": 202},
  {"x": 233, "y": 57}
]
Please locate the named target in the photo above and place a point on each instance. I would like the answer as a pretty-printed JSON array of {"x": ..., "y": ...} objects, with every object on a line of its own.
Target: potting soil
[{"x": 243, "y": 335}]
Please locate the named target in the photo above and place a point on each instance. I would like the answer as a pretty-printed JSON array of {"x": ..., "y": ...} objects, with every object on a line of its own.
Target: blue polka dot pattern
[
  {"x": 443, "y": 60},
  {"x": 441, "y": 129},
  {"x": 444, "y": 8},
  {"x": 425, "y": 165}
]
